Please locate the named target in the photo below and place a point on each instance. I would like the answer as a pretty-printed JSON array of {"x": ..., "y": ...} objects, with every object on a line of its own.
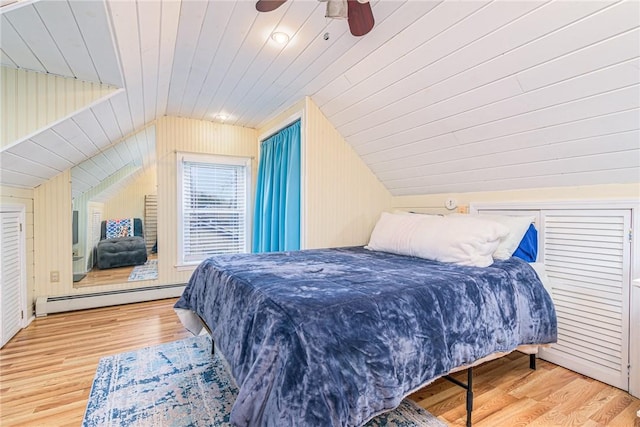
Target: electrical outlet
[
  {"x": 54, "y": 276},
  {"x": 463, "y": 209}
]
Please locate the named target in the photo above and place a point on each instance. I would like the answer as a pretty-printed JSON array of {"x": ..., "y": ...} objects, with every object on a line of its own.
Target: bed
[{"x": 337, "y": 336}]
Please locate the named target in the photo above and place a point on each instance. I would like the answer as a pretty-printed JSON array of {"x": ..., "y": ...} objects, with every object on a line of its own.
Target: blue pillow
[{"x": 528, "y": 247}]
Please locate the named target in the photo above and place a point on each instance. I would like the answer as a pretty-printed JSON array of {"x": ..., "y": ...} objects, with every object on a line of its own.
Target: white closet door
[
  {"x": 587, "y": 257},
  {"x": 10, "y": 275},
  {"x": 94, "y": 220}
]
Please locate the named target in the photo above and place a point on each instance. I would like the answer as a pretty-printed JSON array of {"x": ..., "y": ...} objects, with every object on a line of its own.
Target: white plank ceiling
[{"x": 442, "y": 96}]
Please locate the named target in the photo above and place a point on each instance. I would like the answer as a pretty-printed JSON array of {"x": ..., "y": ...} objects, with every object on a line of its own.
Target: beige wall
[
  {"x": 129, "y": 201},
  {"x": 342, "y": 199},
  {"x": 193, "y": 136},
  {"x": 30, "y": 101},
  {"x": 24, "y": 198},
  {"x": 435, "y": 202},
  {"x": 52, "y": 231}
]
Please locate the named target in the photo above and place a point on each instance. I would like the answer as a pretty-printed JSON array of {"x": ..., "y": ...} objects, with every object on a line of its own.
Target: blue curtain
[{"x": 276, "y": 224}]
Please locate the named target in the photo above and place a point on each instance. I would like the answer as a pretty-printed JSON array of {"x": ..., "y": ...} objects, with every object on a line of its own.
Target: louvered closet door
[
  {"x": 586, "y": 255},
  {"x": 10, "y": 275}
]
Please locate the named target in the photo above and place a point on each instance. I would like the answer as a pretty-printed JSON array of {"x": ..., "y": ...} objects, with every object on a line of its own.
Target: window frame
[{"x": 210, "y": 159}]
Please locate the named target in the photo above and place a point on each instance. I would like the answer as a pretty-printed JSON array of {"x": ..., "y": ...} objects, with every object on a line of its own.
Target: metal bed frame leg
[
  {"x": 206, "y": 327},
  {"x": 469, "y": 395},
  {"x": 469, "y": 387},
  {"x": 532, "y": 361}
]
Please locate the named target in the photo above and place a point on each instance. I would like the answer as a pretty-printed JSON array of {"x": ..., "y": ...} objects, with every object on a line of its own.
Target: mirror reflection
[{"x": 114, "y": 214}]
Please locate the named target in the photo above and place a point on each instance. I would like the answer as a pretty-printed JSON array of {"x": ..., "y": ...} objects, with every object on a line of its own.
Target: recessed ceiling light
[
  {"x": 221, "y": 117},
  {"x": 280, "y": 37}
]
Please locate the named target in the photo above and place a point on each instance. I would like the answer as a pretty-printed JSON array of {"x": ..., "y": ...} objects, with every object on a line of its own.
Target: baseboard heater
[{"x": 47, "y": 305}]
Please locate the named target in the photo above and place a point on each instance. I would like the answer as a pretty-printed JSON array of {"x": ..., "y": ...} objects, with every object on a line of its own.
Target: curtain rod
[
  {"x": 290, "y": 121},
  {"x": 209, "y": 154}
]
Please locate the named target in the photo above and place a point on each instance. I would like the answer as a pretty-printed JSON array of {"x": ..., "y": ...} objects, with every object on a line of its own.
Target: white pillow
[
  {"x": 393, "y": 233},
  {"x": 517, "y": 225},
  {"x": 464, "y": 240}
]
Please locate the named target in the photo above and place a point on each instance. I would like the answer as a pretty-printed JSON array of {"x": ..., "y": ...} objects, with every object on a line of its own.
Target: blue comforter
[{"x": 337, "y": 336}]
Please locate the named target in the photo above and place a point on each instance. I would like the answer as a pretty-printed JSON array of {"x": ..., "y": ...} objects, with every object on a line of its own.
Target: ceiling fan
[{"x": 357, "y": 12}]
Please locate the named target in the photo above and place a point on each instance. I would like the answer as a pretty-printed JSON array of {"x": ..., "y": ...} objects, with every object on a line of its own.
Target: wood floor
[
  {"x": 46, "y": 373},
  {"x": 108, "y": 276}
]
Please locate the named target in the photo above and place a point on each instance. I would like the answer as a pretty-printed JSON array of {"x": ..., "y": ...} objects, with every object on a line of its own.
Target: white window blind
[{"x": 214, "y": 207}]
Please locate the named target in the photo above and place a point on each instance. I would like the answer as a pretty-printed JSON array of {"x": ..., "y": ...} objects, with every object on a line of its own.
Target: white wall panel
[
  {"x": 531, "y": 160},
  {"x": 462, "y": 69},
  {"x": 597, "y": 105},
  {"x": 186, "y": 43},
  {"x": 38, "y": 40},
  {"x": 108, "y": 122},
  {"x": 168, "y": 34},
  {"x": 61, "y": 25},
  {"x": 32, "y": 101},
  {"x": 6, "y": 61},
  {"x": 51, "y": 141},
  {"x": 397, "y": 63},
  {"x": 613, "y": 50},
  {"x": 37, "y": 153},
  {"x": 197, "y": 97},
  {"x": 150, "y": 13},
  {"x": 92, "y": 19},
  {"x": 15, "y": 48},
  {"x": 381, "y": 126},
  {"x": 126, "y": 30},
  {"x": 510, "y": 145}
]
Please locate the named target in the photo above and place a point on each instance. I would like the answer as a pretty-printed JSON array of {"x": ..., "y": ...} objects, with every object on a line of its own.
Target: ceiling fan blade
[
  {"x": 268, "y": 5},
  {"x": 360, "y": 17}
]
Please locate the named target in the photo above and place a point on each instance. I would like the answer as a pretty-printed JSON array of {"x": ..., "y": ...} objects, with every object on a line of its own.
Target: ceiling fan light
[{"x": 280, "y": 37}]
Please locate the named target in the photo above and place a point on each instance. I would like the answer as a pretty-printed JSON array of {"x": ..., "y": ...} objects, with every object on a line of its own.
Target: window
[{"x": 213, "y": 206}]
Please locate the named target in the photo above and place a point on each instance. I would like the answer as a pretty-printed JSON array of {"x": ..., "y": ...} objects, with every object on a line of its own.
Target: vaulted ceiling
[{"x": 441, "y": 96}]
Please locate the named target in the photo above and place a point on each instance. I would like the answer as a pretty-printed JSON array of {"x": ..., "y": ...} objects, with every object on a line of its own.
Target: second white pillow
[{"x": 465, "y": 239}]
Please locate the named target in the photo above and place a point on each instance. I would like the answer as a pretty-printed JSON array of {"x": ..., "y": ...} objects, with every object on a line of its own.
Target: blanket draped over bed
[{"x": 337, "y": 336}]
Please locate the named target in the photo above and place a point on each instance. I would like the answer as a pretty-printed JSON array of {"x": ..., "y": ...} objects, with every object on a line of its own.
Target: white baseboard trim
[{"x": 58, "y": 304}]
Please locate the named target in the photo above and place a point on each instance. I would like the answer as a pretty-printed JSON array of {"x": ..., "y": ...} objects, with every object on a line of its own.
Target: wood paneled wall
[
  {"x": 175, "y": 134},
  {"x": 31, "y": 101},
  {"x": 342, "y": 199},
  {"x": 129, "y": 201},
  {"x": 435, "y": 202},
  {"x": 53, "y": 239}
]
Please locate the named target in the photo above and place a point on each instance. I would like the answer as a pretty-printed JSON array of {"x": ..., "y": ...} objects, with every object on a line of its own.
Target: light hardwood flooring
[
  {"x": 107, "y": 276},
  {"x": 46, "y": 373}
]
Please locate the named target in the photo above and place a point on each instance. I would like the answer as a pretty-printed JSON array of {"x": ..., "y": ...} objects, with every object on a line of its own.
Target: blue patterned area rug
[
  {"x": 146, "y": 271},
  {"x": 181, "y": 384}
]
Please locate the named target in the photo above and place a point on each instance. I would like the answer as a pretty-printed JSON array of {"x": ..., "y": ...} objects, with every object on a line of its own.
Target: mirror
[{"x": 114, "y": 213}]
